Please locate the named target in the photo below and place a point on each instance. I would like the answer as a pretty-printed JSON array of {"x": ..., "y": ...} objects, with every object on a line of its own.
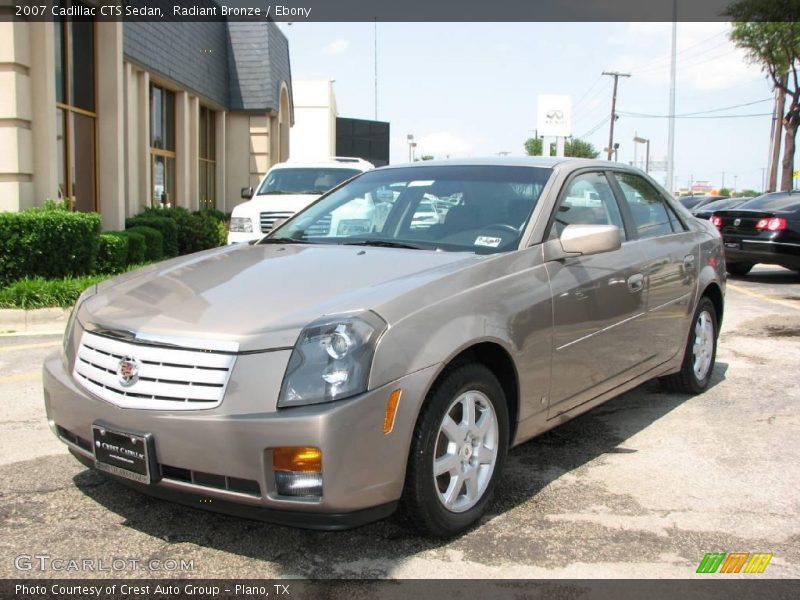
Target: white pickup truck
[{"x": 286, "y": 189}]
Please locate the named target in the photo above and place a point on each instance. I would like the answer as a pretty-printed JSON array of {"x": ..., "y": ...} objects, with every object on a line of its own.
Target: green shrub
[
  {"x": 37, "y": 292},
  {"x": 222, "y": 234},
  {"x": 213, "y": 212},
  {"x": 137, "y": 246},
  {"x": 165, "y": 225},
  {"x": 195, "y": 231},
  {"x": 48, "y": 242},
  {"x": 112, "y": 253},
  {"x": 154, "y": 242}
]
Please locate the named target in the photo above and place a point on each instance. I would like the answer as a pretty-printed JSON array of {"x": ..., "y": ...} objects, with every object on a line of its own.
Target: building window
[
  {"x": 75, "y": 112},
  {"x": 208, "y": 163},
  {"x": 162, "y": 146}
]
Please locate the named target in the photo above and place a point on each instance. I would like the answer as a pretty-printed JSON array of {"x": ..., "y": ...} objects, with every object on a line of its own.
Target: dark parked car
[
  {"x": 705, "y": 211},
  {"x": 695, "y": 202},
  {"x": 764, "y": 230}
]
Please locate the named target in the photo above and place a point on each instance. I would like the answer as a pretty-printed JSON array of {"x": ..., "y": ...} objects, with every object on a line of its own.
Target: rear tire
[
  {"x": 456, "y": 460},
  {"x": 699, "y": 355},
  {"x": 738, "y": 269}
]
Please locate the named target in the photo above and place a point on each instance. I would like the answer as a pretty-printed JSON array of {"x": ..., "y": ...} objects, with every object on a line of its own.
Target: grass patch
[{"x": 38, "y": 292}]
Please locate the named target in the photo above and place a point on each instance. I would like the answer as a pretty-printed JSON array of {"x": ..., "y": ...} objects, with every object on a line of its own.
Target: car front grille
[
  {"x": 168, "y": 378},
  {"x": 268, "y": 219}
]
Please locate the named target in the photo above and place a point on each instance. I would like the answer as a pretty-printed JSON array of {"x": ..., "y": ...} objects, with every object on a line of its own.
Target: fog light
[
  {"x": 298, "y": 484},
  {"x": 298, "y": 471}
]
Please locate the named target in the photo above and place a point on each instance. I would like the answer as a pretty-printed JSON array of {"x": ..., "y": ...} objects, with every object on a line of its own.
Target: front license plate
[
  {"x": 733, "y": 245},
  {"x": 123, "y": 453}
]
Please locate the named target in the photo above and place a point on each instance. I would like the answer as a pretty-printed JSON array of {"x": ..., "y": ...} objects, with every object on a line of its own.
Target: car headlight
[
  {"x": 331, "y": 359},
  {"x": 87, "y": 293},
  {"x": 241, "y": 225}
]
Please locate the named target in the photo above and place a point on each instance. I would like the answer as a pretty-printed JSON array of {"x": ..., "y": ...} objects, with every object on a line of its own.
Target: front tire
[
  {"x": 738, "y": 269},
  {"x": 700, "y": 354},
  {"x": 457, "y": 453}
]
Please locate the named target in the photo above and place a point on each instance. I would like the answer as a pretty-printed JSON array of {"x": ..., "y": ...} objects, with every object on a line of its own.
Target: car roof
[
  {"x": 511, "y": 161},
  {"x": 324, "y": 164}
]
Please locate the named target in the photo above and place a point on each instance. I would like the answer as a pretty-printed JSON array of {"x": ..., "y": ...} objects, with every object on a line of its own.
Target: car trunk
[{"x": 742, "y": 223}]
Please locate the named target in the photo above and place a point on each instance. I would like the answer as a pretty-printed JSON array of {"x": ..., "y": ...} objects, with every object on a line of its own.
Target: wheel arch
[
  {"x": 714, "y": 293},
  {"x": 498, "y": 360}
]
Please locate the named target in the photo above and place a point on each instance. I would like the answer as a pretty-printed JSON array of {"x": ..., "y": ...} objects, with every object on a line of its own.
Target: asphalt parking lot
[{"x": 643, "y": 486}]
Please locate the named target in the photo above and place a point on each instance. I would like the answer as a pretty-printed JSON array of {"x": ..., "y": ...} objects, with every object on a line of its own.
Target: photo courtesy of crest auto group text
[{"x": 420, "y": 299}]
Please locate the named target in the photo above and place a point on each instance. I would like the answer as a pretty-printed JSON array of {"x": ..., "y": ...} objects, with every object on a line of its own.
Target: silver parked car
[{"x": 326, "y": 377}]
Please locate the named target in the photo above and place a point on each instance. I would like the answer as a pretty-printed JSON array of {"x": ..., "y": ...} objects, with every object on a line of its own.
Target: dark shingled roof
[
  {"x": 238, "y": 65},
  {"x": 258, "y": 61}
]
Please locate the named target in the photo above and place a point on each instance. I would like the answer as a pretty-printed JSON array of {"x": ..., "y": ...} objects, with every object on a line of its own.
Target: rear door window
[{"x": 651, "y": 215}]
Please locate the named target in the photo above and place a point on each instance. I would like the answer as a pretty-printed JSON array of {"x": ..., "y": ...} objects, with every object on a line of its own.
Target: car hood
[{"x": 260, "y": 296}]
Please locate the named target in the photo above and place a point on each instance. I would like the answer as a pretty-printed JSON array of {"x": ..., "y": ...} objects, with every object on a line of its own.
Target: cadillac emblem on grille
[
  {"x": 128, "y": 371},
  {"x": 737, "y": 222}
]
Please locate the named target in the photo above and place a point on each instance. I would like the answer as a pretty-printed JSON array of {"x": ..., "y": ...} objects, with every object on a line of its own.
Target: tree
[
  {"x": 573, "y": 147},
  {"x": 579, "y": 148},
  {"x": 747, "y": 194},
  {"x": 725, "y": 192},
  {"x": 768, "y": 30}
]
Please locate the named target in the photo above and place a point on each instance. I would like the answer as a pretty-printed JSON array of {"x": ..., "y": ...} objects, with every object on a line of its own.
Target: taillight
[
  {"x": 716, "y": 221},
  {"x": 772, "y": 224}
]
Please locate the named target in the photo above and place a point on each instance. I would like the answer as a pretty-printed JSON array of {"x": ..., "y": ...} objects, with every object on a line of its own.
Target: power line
[
  {"x": 666, "y": 59},
  {"x": 595, "y": 128},
  {"x": 655, "y": 67},
  {"x": 635, "y": 116},
  {"x": 586, "y": 93},
  {"x": 699, "y": 112}
]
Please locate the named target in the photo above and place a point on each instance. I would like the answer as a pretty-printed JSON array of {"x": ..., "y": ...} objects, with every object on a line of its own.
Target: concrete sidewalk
[{"x": 37, "y": 321}]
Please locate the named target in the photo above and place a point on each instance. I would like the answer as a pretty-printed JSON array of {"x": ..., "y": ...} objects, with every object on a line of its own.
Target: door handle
[{"x": 636, "y": 282}]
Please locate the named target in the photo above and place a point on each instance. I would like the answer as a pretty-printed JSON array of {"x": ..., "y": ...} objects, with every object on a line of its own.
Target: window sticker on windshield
[{"x": 485, "y": 240}]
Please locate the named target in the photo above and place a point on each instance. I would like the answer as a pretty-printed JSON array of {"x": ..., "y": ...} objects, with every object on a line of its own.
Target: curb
[{"x": 40, "y": 320}]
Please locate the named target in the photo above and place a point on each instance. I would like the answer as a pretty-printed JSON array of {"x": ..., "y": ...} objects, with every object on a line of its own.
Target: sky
[{"x": 470, "y": 89}]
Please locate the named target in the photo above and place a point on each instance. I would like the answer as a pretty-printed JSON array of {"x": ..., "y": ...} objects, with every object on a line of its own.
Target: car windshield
[
  {"x": 774, "y": 202},
  {"x": 482, "y": 209},
  {"x": 304, "y": 180}
]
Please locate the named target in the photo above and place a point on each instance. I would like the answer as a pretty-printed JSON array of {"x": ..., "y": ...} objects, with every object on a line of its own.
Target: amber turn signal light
[
  {"x": 391, "y": 411},
  {"x": 308, "y": 460}
]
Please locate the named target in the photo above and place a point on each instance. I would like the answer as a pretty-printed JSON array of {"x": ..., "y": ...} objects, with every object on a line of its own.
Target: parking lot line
[
  {"x": 29, "y": 376},
  {"x": 763, "y": 297},
  {"x": 29, "y": 346}
]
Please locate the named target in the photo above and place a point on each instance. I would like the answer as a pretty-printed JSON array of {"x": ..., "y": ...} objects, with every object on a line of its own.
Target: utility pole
[
  {"x": 616, "y": 75},
  {"x": 671, "y": 133},
  {"x": 777, "y": 132},
  {"x": 723, "y": 180},
  {"x": 375, "y": 48}
]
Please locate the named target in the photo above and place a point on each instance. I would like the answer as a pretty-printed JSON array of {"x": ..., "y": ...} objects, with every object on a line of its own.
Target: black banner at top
[{"x": 386, "y": 10}]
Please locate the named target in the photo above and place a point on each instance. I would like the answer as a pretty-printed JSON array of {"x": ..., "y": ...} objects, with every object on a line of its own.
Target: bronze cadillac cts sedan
[{"x": 384, "y": 348}]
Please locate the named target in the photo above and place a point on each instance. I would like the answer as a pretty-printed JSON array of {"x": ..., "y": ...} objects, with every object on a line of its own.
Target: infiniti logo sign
[{"x": 128, "y": 371}]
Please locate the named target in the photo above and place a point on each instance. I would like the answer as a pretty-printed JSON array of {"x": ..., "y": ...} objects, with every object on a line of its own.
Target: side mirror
[
  {"x": 590, "y": 239},
  {"x": 247, "y": 193}
]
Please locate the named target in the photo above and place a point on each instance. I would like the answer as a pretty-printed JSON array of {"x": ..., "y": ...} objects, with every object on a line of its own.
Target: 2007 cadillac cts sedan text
[{"x": 384, "y": 348}]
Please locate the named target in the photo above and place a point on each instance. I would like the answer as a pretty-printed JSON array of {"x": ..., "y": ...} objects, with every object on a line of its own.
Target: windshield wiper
[
  {"x": 384, "y": 244},
  {"x": 282, "y": 240}
]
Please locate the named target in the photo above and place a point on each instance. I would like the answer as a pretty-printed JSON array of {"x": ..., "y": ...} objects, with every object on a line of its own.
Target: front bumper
[
  {"x": 363, "y": 469},
  {"x": 237, "y": 237}
]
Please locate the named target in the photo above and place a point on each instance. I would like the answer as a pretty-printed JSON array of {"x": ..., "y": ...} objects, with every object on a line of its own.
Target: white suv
[{"x": 286, "y": 189}]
